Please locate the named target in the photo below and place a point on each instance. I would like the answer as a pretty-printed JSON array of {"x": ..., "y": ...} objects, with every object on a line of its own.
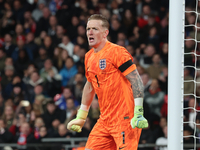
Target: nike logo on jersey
[{"x": 121, "y": 147}]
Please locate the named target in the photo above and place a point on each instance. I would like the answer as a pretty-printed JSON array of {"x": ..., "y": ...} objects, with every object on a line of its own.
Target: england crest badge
[{"x": 102, "y": 64}]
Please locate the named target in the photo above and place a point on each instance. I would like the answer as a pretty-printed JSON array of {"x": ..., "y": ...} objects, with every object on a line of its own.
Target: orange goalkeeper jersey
[{"x": 106, "y": 70}]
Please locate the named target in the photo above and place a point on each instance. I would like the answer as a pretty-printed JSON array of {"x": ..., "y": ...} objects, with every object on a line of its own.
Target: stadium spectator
[
  {"x": 146, "y": 80},
  {"x": 143, "y": 19},
  {"x": 52, "y": 25},
  {"x": 198, "y": 127},
  {"x": 64, "y": 13},
  {"x": 42, "y": 133},
  {"x": 7, "y": 23},
  {"x": 39, "y": 61},
  {"x": 163, "y": 79},
  {"x": 155, "y": 69},
  {"x": 68, "y": 71},
  {"x": 159, "y": 130},
  {"x": 164, "y": 54},
  {"x": 49, "y": 71},
  {"x": 35, "y": 79},
  {"x": 129, "y": 21},
  {"x": 67, "y": 45},
  {"x": 52, "y": 113},
  {"x": 135, "y": 36},
  {"x": 48, "y": 46},
  {"x": 25, "y": 107},
  {"x": 52, "y": 79},
  {"x": 198, "y": 83},
  {"x": 141, "y": 70},
  {"x": 57, "y": 59},
  {"x": 38, "y": 105},
  {"x": 21, "y": 46},
  {"x": 81, "y": 31},
  {"x": 57, "y": 38},
  {"x": 53, "y": 130},
  {"x": 190, "y": 113},
  {"x": 19, "y": 31},
  {"x": 25, "y": 136},
  {"x": 60, "y": 99},
  {"x": 188, "y": 132},
  {"x": 164, "y": 29},
  {"x": 5, "y": 135},
  {"x": 151, "y": 22},
  {"x": 39, "y": 90},
  {"x": 130, "y": 49},
  {"x": 2, "y": 59},
  {"x": 147, "y": 136},
  {"x": 17, "y": 93},
  {"x": 63, "y": 132},
  {"x": 188, "y": 86},
  {"x": 37, "y": 125},
  {"x": 17, "y": 122},
  {"x": 22, "y": 62},
  {"x": 154, "y": 98},
  {"x": 6, "y": 80},
  {"x": 188, "y": 47},
  {"x": 31, "y": 45},
  {"x": 8, "y": 116},
  {"x": 1, "y": 103},
  {"x": 70, "y": 110},
  {"x": 8, "y": 45},
  {"x": 29, "y": 23},
  {"x": 18, "y": 11},
  {"x": 162, "y": 140},
  {"x": 145, "y": 60},
  {"x": 64, "y": 56},
  {"x": 115, "y": 29},
  {"x": 72, "y": 28},
  {"x": 40, "y": 39},
  {"x": 153, "y": 38},
  {"x": 43, "y": 23},
  {"x": 81, "y": 54},
  {"x": 28, "y": 71},
  {"x": 37, "y": 12},
  {"x": 77, "y": 83}
]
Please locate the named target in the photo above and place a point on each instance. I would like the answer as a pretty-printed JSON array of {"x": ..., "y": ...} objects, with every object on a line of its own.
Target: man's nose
[{"x": 90, "y": 32}]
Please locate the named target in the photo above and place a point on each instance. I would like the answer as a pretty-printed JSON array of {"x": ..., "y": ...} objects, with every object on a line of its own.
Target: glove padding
[
  {"x": 77, "y": 123},
  {"x": 138, "y": 120}
]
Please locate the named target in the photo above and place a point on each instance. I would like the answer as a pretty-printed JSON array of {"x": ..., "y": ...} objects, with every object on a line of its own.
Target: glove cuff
[
  {"x": 82, "y": 114},
  {"x": 138, "y": 110}
]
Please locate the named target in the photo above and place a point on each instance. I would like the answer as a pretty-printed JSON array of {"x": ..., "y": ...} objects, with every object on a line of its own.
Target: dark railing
[{"x": 52, "y": 142}]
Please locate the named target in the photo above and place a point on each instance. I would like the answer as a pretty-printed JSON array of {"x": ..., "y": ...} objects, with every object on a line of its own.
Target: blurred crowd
[{"x": 42, "y": 49}]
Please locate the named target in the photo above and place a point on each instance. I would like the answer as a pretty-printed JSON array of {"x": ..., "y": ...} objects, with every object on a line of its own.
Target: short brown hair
[{"x": 104, "y": 20}]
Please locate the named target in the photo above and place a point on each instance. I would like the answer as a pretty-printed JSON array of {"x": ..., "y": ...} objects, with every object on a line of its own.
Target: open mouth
[{"x": 91, "y": 39}]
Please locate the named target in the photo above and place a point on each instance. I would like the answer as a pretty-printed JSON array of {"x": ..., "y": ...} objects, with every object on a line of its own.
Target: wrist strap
[
  {"x": 138, "y": 101},
  {"x": 82, "y": 114}
]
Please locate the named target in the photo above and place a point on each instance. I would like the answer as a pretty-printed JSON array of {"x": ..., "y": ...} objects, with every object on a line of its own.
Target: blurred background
[{"x": 42, "y": 49}]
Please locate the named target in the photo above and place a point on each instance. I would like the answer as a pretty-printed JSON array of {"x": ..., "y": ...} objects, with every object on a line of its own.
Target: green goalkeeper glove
[
  {"x": 77, "y": 123},
  {"x": 138, "y": 120}
]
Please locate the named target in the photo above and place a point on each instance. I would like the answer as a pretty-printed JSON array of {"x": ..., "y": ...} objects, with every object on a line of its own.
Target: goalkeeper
[{"x": 113, "y": 76}]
